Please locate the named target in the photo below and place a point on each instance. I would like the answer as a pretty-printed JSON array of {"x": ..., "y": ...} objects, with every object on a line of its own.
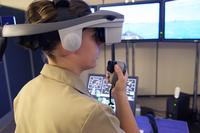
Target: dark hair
[{"x": 44, "y": 11}]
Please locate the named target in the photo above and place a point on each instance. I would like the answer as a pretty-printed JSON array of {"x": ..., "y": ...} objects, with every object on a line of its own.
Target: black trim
[
  {"x": 152, "y": 122},
  {"x": 3, "y": 45},
  {"x": 162, "y": 20}
]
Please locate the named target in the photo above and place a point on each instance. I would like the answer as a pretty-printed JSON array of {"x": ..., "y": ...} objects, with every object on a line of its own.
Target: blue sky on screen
[
  {"x": 137, "y": 13},
  {"x": 183, "y": 10}
]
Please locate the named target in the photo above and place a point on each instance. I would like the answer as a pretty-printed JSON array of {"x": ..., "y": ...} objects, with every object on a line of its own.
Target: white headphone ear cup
[{"x": 71, "y": 42}]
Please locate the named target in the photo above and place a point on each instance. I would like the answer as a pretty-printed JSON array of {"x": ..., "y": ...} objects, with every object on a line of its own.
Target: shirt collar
[{"x": 64, "y": 76}]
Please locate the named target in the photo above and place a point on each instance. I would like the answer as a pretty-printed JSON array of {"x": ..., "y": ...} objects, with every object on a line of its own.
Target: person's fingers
[
  {"x": 119, "y": 72},
  {"x": 126, "y": 75},
  {"x": 107, "y": 77}
]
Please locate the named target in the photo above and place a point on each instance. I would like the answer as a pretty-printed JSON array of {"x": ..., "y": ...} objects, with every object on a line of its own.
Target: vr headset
[{"x": 70, "y": 31}]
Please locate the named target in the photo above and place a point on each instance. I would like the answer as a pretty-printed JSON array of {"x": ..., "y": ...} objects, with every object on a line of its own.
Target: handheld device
[
  {"x": 113, "y": 75},
  {"x": 110, "y": 68}
]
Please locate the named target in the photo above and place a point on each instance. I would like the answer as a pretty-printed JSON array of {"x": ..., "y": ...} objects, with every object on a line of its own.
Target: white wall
[
  {"x": 160, "y": 67},
  {"x": 176, "y": 67},
  {"x": 145, "y": 67},
  {"x": 18, "y": 4}
]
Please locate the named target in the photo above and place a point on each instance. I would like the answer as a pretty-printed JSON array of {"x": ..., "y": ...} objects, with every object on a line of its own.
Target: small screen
[
  {"x": 182, "y": 19},
  {"x": 99, "y": 89},
  {"x": 141, "y": 21}
]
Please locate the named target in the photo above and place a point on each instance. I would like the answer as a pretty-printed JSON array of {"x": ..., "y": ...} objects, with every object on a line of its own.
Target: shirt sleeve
[{"x": 101, "y": 120}]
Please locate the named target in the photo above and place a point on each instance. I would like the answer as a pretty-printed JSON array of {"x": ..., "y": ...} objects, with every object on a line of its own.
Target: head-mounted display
[{"x": 72, "y": 29}]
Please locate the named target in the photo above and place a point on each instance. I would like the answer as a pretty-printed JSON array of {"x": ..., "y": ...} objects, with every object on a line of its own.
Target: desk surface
[{"x": 164, "y": 125}]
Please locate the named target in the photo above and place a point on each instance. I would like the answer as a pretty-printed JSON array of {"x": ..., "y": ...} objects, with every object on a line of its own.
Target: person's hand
[{"x": 120, "y": 86}]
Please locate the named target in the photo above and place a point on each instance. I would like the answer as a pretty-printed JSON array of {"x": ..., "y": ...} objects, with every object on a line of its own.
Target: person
[{"x": 56, "y": 101}]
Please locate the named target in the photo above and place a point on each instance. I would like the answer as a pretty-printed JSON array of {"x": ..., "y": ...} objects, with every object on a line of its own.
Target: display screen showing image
[
  {"x": 182, "y": 19},
  {"x": 95, "y": 84},
  {"x": 141, "y": 21},
  {"x": 100, "y": 89}
]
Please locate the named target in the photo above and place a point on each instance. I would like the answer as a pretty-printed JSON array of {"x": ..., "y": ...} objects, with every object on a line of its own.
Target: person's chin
[{"x": 92, "y": 66}]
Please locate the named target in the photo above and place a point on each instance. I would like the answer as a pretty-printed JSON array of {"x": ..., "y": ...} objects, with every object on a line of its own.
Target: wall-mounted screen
[
  {"x": 182, "y": 19},
  {"x": 141, "y": 20}
]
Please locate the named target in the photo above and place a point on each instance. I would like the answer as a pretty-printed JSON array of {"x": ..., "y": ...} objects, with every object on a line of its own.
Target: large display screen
[
  {"x": 141, "y": 20},
  {"x": 182, "y": 19},
  {"x": 99, "y": 89}
]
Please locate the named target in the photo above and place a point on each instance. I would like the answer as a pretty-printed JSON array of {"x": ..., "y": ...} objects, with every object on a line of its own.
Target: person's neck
[{"x": 70, "y": 66}]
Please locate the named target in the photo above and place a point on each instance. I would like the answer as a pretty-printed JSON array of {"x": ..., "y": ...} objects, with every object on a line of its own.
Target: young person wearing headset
[{"x": 57, "y": 101}]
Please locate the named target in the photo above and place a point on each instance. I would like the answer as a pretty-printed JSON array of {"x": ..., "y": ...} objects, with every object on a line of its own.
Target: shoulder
[{"x": 102, "y": 118}]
